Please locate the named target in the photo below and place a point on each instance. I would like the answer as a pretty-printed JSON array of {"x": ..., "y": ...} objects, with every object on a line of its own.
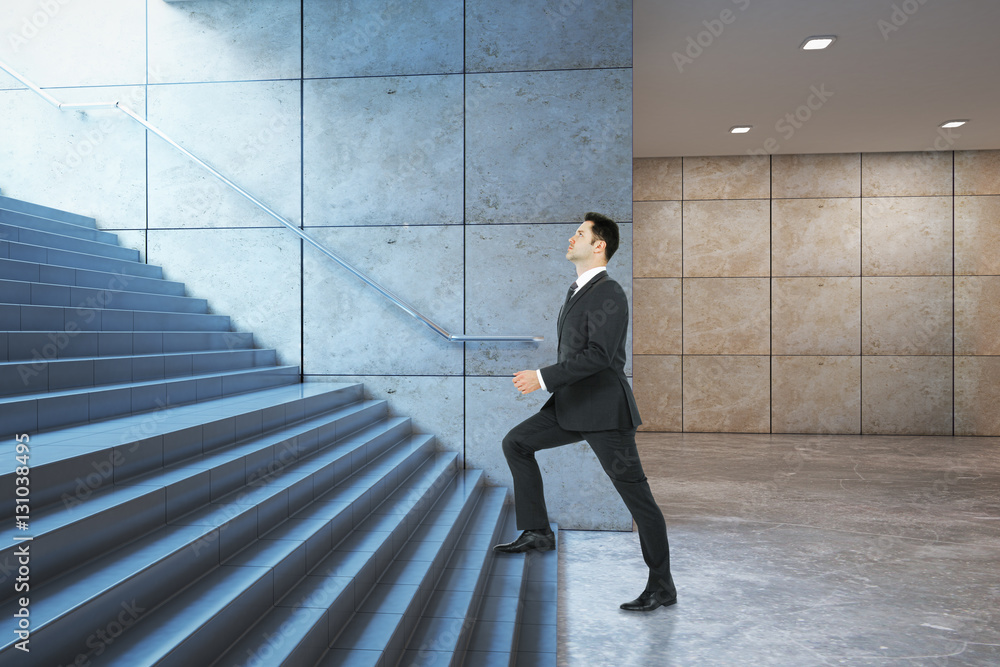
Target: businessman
[{"x": 591, "y": 400}]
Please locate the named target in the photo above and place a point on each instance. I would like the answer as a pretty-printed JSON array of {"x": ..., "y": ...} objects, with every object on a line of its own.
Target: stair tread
[
  {"x": 113, "y": 296},
  {"x": 457, "y": 586},
  {"x": 186, "y": 613},
  {"x": 118, "y": 313},
  {"x": 270, "y": 642},
  {"x": 20, "y": 266},
  {"x": 20, "y": 206},
  {"x": 131, "y": 385},
  {"x": 72, "y": 276},
  {"x": 74, "y": 259},
  {"x": 220, "y": 511},
  {"x": 79, "y": 373},
  {"x": 174, "y": 619},
  {"x": 57, "y": 516},
  {"x": 333, "y": 577},
  {"x": 126, "y": 430},
  {"x": 286, "y": 525},
  {"x": 78, "y": 586},
  {"x": 455, "y": 599},
  {"x": 58, "y": 596},
  {"x": 27, "y": 345},
  {"x": 44, "y": 238},
  {"x": 44, "y": 223},
  {"x": 154, "y": 355}
]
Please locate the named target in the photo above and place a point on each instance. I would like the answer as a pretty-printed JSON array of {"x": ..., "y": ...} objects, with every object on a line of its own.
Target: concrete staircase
[{"x": 193, "y": 503}]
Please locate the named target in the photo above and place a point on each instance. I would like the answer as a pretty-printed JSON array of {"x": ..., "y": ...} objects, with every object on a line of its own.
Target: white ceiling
[{"x": 898, "y": 69}]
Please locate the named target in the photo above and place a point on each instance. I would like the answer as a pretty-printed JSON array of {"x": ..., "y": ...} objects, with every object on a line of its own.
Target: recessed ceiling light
[
  {"x": 952, "y": 124},
  {"x": 818, "y": 42},
  {"x": 740, "y": 129}
]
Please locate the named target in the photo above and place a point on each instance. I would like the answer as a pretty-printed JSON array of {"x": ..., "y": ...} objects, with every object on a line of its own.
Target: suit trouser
[{"x": 619, "y": 457}]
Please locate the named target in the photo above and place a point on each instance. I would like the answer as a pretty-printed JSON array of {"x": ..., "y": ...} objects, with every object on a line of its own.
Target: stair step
[
  {"x": 46, "y": 224},
  {"x": 72, "y": 320},
  {"x": 227, "y": 609},
  {"x": 343, "y": 586},
  {"x": 17, "y": 378},
  {"x": 194, "y": 504},
  {"x": 29, "y": 252},
  {"x": 388, "y": 617},
  {"x": 12, "y": 204},
  {"x": 71, "y": 464},
  {"x": 36, "y": 272},
  {"x": 213, "y": 533},
  {"x": 446, "y": 625},
  {"x": 13, "y": 233},
  {"x": 40, "y": 412},
  {"x": 537, "y": 639},
  {"x": 35, "y": 346},
  {"x": 69, "y": 533},
  {"x": 44, "y": 294}
]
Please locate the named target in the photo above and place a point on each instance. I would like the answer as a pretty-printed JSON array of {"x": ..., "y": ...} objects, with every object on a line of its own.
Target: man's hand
[{"x": 526, "y": 381}]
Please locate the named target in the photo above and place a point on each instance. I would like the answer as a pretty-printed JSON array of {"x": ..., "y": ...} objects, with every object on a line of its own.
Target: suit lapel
[{"x": 582, "y": 292}]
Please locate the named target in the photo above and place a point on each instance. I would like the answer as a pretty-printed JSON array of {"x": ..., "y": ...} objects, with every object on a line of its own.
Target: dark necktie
[{"x": 571, "y": 292}]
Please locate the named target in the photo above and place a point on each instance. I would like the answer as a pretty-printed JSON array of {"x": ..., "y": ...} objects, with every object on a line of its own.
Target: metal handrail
[{"x": 454, "y": 338}]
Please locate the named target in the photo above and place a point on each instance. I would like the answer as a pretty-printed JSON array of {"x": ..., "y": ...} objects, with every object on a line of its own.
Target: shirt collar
[{"x": 587, "y": 276}]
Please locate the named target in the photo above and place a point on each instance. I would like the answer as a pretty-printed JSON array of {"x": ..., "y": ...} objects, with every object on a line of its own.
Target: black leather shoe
[
  {"x": 650, "y": 600},
  {"x": 538, "y": 540}
]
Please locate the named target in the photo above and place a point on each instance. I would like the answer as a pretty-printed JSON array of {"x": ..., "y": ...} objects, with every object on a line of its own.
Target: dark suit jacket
[{"x": 589, "y": 389}]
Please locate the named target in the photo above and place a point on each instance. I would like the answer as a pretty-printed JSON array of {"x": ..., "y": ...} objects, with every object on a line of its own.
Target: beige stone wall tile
[
  {"x": 906, "y": 395},
  {"x": 726, "y": 316},
  {"x": 816, "y": 237},
  {"x": 727, "y": 177},
  {"x": 906, "y": 236},
  {"x": 906, "y": 315},
  {"x": 726, "y": 238},
  {"x": 656, "y": 239},
  {"x": 977, "y": 315},
  {"x": 816, "y": 394},
  {"x": 726, "y": 394},
  {"x": 977, "y": 395},
  {"x": 656, "y": 178},
  {"x": 977, "y": 235},
  {"x": 977, "y": 172},
  {"x": 813, "y": 176},
  {"x": 657, "y": 385},
  {"x": 906, "y": 174},
  {"x": 656, "y": 316},
  {"x": 816, "y": 316}
]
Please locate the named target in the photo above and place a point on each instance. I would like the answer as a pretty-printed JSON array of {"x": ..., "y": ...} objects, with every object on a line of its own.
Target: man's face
[{"x": 581, "y": 243}]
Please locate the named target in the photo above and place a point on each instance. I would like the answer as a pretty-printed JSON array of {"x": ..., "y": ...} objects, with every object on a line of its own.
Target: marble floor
[{"x": 800, "y": 550}]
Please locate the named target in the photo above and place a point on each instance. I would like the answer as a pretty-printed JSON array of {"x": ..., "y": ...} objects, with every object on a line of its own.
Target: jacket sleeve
[{"x": 594, "y": 346}]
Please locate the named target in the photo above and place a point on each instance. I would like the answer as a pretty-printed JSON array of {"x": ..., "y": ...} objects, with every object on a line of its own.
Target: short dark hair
[{"x": 605, "y": 229}]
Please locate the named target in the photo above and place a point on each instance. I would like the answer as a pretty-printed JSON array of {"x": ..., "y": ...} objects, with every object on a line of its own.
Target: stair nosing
[
  {"x": 88, "y": 221},
  {"x": 223, "y": 571},
  {"x": 441, "y": 463},
  {"x": 145, "y": 355},
  {"x": 73, "y": 240},
  {"x": 173, "y": 283},
  {"x": 25, "y": 224},
  {"x": 50, "y": 261},
  {"x": 114, "y": 294},
  {"x": 172, "y": 526},
  {"x": 148, "y": 482},
  {"x": 132, "y": 385}
]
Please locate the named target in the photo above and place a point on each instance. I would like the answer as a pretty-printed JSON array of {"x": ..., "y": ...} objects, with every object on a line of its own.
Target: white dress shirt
[{"x": 581, "y": 280}]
